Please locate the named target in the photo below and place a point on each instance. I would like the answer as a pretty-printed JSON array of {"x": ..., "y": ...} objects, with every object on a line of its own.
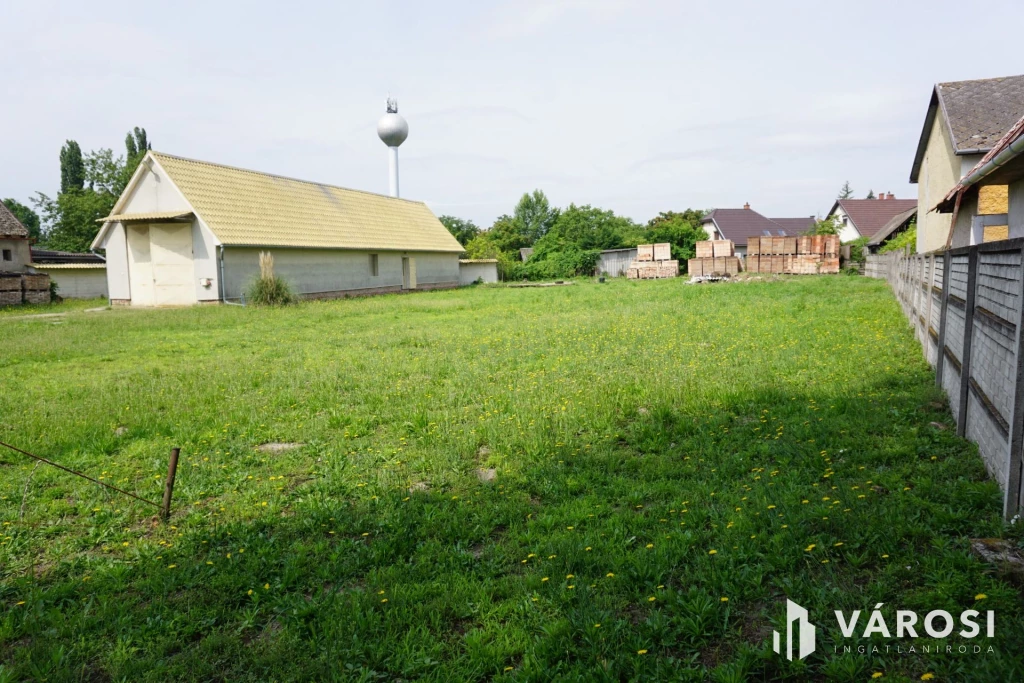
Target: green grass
[
  {"x": 634, "y": 428},
  {"x": 65, "y": 306}
]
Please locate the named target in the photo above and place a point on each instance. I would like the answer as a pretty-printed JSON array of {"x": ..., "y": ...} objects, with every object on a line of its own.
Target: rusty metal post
[{"x": 172, "y": 469}]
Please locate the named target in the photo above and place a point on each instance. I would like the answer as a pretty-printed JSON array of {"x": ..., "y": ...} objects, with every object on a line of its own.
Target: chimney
[{"x": 746, "y": 205}]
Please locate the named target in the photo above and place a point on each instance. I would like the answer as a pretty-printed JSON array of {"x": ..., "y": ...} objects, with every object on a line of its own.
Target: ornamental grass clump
[{"x": 268, "y": 289}]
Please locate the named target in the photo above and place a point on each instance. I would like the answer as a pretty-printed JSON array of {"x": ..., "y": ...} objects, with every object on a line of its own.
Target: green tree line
[
  {"x": 90, "y": 183},
  {"x": 568, "y": 241}
]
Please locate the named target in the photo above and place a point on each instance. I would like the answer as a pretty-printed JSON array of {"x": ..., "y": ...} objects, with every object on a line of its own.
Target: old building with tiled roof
[
  {"x": 865, "y": 217},
  {"x": 14, "y": 242},
  {"x": 187, "y": 231},
  {"x": 963, "y": 121}
]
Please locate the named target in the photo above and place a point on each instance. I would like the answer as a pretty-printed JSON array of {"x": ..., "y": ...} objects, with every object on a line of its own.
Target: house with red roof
[
  {"x": 866, "y": 217},
  {"x": 739, "y": 225}
]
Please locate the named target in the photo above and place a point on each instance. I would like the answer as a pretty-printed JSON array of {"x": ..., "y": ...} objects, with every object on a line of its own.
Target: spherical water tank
[{"x": 392, "y": 129}]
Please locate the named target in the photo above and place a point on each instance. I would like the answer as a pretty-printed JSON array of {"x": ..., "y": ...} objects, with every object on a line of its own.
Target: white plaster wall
[
  {"x": 940, "y": 171},
  {"x": 471, "y": 272},
  {"x": 116, "y": 246},
  {"x": 78, "y": 283},
  {"x": 847, "y": 233},
  {"x": 204, "y": 257},
  {"x": 324, "y": 271},
  {"x": 1015, "y": 212},
  {"x": 154, "y": 192}
]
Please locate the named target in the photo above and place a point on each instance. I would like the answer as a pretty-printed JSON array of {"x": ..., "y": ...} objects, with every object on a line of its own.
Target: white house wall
[
  {"x": 204, "y": 255},
  {"x": 1015, "y": 213},
  {"x": 116, "y": 245},
  {"x": 847, "y": 233},
  {"x": 335, "y": 272}
]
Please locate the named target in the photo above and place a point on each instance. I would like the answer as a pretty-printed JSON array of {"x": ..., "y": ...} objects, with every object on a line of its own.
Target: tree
[
  {"x": 846, "y": 192},
  {"x": 586, "y": 227},
  {"x": 72, "y": 168},
  {"x": 534, "y": 215},
  {"x": 90, "y": 186},
  {"x": 826, "y": 226},
  {"x": 27, "y": 217},
  {"x": 681, "y": 230},
  {"x": 871, "y": 194},
  {"x": 461, "y": 229}
]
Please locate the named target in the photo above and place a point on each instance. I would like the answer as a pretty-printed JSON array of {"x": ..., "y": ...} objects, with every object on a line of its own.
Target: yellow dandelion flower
[
  {"x": 980, "y": 596},
  {"x": 927, "y": 677},
  {"x": 17, "y": 604},
  {"x": 810, "y": 548},
  {"x": 266, "y": 586},
  {"x": 249, "y": 592},
  {"x": 544, "y": 579},
  {"x": 597, "y": 625},
  {"x": 508, "y": 668},
  {"x": 712, "y": 552},
  {"x": 588, "y": 548},
  {"x": 171, "y": 566},
  {"x": 724, "y": 599},
  {"x": 641, "y": 652},
  {"x": 610, "y": 575},
  {"x": 651, "y": 599},
  {"x": 877, "y": 674},
  {"x": 570, "y": 576}
]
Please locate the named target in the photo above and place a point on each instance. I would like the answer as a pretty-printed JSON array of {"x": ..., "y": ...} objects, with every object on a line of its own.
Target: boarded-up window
[
  {"x": 373, "y": 265},
  {"x": 8, "y": 256}
]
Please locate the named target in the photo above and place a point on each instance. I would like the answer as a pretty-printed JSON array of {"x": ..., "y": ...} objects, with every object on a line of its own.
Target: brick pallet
[
  {"x": 806, "y": 255},
  {"x": 715, "y": 258},
  {"x": 29, "y": 288},
  {"x": 653, "y": 261}
]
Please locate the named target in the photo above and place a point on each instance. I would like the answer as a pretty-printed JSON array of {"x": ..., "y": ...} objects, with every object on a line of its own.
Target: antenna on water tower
[{"x": 392, "y": 130}]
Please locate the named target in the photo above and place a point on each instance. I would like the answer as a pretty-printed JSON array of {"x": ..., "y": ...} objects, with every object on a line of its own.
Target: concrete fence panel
[{"x": 966, "y": 307}]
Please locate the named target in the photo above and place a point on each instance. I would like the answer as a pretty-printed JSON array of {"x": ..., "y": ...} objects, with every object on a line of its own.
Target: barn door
[
  {"x": 140, "y": 265},
  {"x": 408, "y": 272},
  {"x": 173, "y": 268}
]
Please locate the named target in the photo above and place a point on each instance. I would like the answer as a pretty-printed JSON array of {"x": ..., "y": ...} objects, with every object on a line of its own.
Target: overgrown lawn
[{"x": 594, "y": 483}]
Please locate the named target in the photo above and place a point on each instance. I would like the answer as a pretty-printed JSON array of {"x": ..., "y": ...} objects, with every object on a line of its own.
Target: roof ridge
[{"x": 158, "y": 154}]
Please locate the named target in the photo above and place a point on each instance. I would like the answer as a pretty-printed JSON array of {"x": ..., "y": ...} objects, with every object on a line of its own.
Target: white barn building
[{"x": 186, "y": 232}]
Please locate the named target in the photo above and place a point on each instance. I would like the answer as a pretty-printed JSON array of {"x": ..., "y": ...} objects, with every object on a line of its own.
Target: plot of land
[{"x": 599, "y": 482}]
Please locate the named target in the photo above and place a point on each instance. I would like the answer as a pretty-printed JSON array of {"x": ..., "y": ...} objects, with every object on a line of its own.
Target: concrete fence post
[
  {"x": 940, "y": 353},
  {"x": 965, "y": 362}
]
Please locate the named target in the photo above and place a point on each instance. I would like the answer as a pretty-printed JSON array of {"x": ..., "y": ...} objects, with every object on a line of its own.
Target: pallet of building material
[
  {"x": 818, "y": 244},
  {"x": 732, "y": 265},
  {"x": 695, "y": 267},
  {"x": 753, "y": 264},
  {"x": 832, "y": 245},
  {"x": 719, "y": 265},
  {"x": 10, "y": 282},
  {"x": 33, "y": 296},
  {"x": 789, "y": 245},
  {"x": 724, "y": 248},
  {"x": 705, "y": 249},
  {"x": 787, "y": 263},
  {"x": 776, "y": 265},
  {"x": 753, "y": 246},
  {"x": 829, "y": 265},
  {"x": 663, "y": 252},
  {"x": 645, "y": 252},
  {"x": 803, "y": 244},
  {"x": 778, "y": 246},
  {"x": 11, "y": 298},
  {"x": 766, "y": 246},
  {"x": 669, "y": 268},
  {"x": 36, "y": 282},
  {"x": 806, "y": 264}
]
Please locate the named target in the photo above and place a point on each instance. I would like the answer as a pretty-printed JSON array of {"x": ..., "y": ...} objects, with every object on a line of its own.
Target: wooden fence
[{"x": 966, "y": 309}]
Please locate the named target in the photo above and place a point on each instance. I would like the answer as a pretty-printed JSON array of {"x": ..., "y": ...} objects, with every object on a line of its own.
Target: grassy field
[{"x": 669, "y": 463}]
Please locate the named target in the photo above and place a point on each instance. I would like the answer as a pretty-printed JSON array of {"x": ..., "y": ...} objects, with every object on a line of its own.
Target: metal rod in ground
[
  {"x": 172, "y": 470},
  {"x": 78, "y": 474}
]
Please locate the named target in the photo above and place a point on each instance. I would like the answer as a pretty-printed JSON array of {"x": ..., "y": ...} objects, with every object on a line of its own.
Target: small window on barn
[
  {"x": 373, "y": 265},
  {"x": 7, "y": 255}
]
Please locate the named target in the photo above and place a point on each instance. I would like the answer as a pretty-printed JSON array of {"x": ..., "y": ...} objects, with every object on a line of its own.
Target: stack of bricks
[
  {"x": 715, "y": 258},
  {"x": 18, "y": 288},
  {"x": 653, "y": 261},
  {"x": 36, "y": 288},
  {"x": 807, "y": 255}
]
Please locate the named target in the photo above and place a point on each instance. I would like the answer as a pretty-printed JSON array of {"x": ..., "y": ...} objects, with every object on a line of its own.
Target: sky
[{"x": 638, "y": 107}]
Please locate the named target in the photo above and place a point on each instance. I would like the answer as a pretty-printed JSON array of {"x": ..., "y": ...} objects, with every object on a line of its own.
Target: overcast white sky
[{"x": 634, "y": 106}]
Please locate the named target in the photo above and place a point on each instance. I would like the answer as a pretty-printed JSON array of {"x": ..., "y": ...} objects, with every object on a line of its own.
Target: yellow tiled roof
[
  {"x": 258, "y": 209},
  {"x": 151, "y": 216}
]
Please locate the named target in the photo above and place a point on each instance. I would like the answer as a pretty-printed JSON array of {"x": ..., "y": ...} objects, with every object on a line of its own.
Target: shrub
[{"x": 268, "y": 289}]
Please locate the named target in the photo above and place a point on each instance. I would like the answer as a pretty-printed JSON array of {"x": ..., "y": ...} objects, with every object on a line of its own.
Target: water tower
[{"x": 393, "y": 130}]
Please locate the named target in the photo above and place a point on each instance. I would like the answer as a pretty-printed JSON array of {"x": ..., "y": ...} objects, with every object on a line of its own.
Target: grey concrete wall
[
  {"x": 78, "y": 283},
  {"x": 21, "y": 255},
  {"x": 471, "y": 272},
  {"x": 334, "y": 272},
  {"x": 970, "y": 325},
  {"x": 616, "y": 263}
]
